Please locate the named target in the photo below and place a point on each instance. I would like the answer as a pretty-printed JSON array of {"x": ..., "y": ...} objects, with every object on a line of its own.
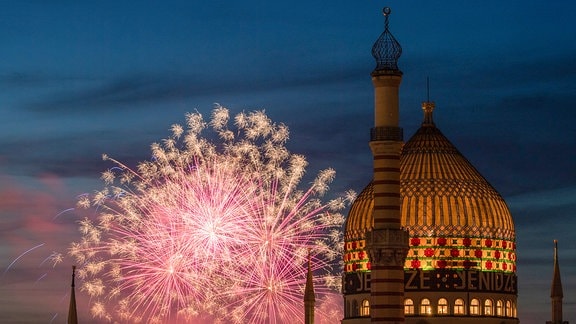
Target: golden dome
[
  {"x": 441, "y": 192},
  {"x": 442, "y": 196}
]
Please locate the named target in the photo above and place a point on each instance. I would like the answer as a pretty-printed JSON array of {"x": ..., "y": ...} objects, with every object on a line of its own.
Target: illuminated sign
[{"x": 440, "y": 280}]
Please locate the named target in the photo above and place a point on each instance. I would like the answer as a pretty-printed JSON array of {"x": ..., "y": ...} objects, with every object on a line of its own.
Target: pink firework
[{"x": 209, "y": 231}]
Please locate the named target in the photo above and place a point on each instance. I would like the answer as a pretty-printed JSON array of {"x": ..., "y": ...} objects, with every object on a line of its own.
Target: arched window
[
  {"x": 459, "y": 307},
  {"x": 365, "y": 310},
  {"x": 508, "y": 309},
  {"x": 442, "y": 306},
  {"x": 408, "y": 306},
  {"x": 514, "y": 310},
  {"x": 474, "y": 307},
  {"x": 499, "y": 308},
  {"x": 425, "y": 308},
  {"x": 488, "y": 307}
]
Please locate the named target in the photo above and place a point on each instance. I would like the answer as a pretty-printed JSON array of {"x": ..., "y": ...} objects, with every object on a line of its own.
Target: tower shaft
[{"x": 387, "y": 242}]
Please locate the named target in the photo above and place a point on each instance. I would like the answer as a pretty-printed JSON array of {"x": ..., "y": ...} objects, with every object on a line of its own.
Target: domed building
[{"x": 459, "y": 261}]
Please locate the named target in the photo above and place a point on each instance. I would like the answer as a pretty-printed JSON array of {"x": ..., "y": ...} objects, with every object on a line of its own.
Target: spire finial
[
  {"x": 556, "y": 281},
  {"x": 386, "y": 11},
  {"x": 73, "y": 275},
  {"x": 428, "y": 106},
  {"x": 428, "y": 89},
  {"x": 309, "y": 277},
  {"x": 386, "y": 50}
]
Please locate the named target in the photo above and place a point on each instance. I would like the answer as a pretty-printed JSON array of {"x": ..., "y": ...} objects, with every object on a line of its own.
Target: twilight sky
[{"x": 82, "y": 78}]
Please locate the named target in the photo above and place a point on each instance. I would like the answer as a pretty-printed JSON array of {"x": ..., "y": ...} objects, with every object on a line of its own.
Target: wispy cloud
[{"x": 544, "y": 200}]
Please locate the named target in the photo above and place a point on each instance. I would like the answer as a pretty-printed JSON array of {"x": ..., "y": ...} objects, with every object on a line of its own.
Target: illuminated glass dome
[{"x": 455, "y": 218}]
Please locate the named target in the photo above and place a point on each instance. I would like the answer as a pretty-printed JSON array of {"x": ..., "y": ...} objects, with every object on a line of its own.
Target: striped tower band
[
  {"x": 387, "y": 186},
  {"x": 387, "y": 242},
  {"x": 387, "y": 248}
]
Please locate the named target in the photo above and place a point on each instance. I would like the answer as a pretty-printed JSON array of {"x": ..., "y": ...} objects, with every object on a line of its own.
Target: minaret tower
[
  {"x": 387, "y": 242},
  {"x": 556, "y": 293},
  {"x": 309, "y": 298},
  {"x": 72, "y": 315}
]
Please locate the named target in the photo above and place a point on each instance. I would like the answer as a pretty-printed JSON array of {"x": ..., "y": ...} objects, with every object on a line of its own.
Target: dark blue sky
[{"x": 78, "y": 79}]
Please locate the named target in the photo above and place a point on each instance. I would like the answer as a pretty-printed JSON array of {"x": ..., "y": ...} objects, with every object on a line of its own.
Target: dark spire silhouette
[
  {"x": 309, "y": 297},
  {"x": 556, "y": 293},
  {"x": 72, "y": 314}
]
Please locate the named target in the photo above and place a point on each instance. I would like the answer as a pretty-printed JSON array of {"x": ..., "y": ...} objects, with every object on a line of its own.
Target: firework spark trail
[
  {"x": 210, "y": 230},
  {"x": 40, "y": 278},
  {"x": 20, "y": 256},
  {"x": 53, "y": 318},
  {"x": 62, "y": 212},
  {"x": 54, "y": 257}
]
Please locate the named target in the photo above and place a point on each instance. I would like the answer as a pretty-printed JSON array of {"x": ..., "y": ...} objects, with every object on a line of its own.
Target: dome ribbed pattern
[
  {"x": 360, "y": 215},
  {"x": 442, "y": 194}
]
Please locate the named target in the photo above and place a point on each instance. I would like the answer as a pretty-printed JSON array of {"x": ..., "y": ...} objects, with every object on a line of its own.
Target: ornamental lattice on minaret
[{"x": 387, "y": 242}]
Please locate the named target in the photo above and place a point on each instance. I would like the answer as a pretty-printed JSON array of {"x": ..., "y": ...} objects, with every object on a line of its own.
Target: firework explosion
[{"x": 209, "y": 231}]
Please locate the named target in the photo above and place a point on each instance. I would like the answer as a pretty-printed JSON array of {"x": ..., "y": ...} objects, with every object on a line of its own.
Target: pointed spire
[
  {"x": 386, "y": 50},
  {"x": 309, "y": 297},
  {"x": 556, "y": 293},
  {"x": 556, "y": 290},
  {"x": 72, "y": 314}
]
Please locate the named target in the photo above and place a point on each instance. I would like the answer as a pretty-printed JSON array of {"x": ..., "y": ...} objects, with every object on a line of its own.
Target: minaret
[
  {"x": 309, "y": 298},
  {"x": 556, "y": 293},
  {"x": 387, "y": 242},
  {"x": 72, "y": 315}
]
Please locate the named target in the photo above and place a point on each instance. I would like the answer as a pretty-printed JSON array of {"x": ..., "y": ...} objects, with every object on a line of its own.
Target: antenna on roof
[
  {"x": 428, "y": 106},
  {"x": 428, "y": 89}
]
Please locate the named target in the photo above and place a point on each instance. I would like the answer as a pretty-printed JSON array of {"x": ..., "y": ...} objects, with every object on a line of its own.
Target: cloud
[
  {"x": 544, "y": 200},
  {"x": 134, "y": 90}
]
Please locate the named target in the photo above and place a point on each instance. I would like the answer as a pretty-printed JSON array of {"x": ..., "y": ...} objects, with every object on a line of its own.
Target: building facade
[{"x": 434, "y": 244}]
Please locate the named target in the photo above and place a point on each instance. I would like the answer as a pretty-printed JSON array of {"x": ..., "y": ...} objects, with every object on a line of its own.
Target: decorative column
[{"x": 387, "y": 242}]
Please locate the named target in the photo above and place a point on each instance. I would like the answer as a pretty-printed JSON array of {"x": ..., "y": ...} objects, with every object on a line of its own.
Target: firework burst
[{"x": 213, "y": 226}]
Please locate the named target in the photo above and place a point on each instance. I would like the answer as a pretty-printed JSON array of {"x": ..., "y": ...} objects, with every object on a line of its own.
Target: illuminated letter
[
  {"x": 409, "y": 284},
  {"x": 368, "y": 278},
  {"x": 360, "y": 281},
  {"x": 472, "y": 276},
  {"x": 498, "y": 282},
  {"x": 485, "y": 282},
  {"x": 509, "y": 286},
  {"x": 365, "y": 281},
  {"x": 424, "y": 277}
]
